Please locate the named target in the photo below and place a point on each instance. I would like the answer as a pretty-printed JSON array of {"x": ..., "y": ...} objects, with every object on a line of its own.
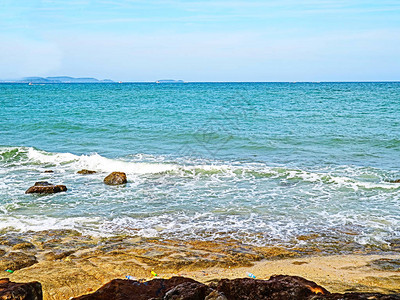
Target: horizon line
[{"x": 155, "y": 81}]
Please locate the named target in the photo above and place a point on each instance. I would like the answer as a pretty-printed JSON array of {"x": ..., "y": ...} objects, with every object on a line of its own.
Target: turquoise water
[{"x": 260, "y": 162}]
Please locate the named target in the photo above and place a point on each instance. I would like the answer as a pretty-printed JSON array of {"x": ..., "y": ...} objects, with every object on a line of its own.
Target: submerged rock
[
  {"x": 21, "y": 291},
  {"x": 115, "y": 178},
  {"x": 57, "y": 254},
  {"x": 86, "y": 172},
  {"x": 280, "y": 287},
  {"x": 16, "y": 261},
  {"x": 385, "y": 264},
  {"x": 44, "y": 187},
  {"x": 23, "y": 245}
]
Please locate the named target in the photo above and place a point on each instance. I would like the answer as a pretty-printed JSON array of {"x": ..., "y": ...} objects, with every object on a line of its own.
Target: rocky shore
[
  {"x": 279, "y": 287},
  {"x": 62, "y": 264},
  {"x": 69, "y": 264}
]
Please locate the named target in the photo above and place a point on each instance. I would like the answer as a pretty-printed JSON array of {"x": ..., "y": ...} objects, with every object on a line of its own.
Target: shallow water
[{"x": 260, "y": 162}]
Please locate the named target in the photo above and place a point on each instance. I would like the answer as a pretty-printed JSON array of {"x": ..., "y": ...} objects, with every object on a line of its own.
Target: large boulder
[
  {"x": 21, "y": 291},
  {"x": 277, "y": 287},
  {"x": 280, "y": 287},
  {"x": 115, "y": 178},
  {"x": 44, "y": 187},
  {"x": 122, "y": 289}
]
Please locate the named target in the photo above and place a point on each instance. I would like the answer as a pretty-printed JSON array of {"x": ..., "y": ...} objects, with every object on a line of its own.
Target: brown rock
[
  {"x": 9, "y": 240},
  {"x": 215, "y": 295},
  {"x": 20, "y": 291},
  {"x": 86, "y": 172},
  {"x": 115, "y": 178},
  {"x": 24, "y": 245},
  {"x": 280, "y": 287},
  {"x": 57, "y": 254},
  {"x": 44, "y": 187},
  {"x": 16, "y": 261},
  {"x": 283, "y": 287},
  {"x": 120, "y": 289},
  {"x": 358, "y": 296},
  {"x": 277, "y": 287},
  {"x": 48, "y": 171},
  {"x": 188, "y": 291}
]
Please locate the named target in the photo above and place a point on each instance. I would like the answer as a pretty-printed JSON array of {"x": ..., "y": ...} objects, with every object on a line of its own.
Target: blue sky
[{"x": 201, "y": 40}]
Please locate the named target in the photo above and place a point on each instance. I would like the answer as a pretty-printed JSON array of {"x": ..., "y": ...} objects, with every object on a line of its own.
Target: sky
[{"x": 201, "y": 40}]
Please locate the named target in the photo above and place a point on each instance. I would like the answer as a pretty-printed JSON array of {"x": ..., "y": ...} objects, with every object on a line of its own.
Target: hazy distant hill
[
  {"x": 67, "y": 79},
  {"x": 58, "y": 79}
]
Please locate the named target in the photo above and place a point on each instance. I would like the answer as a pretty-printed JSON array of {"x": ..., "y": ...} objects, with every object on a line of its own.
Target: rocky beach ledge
[{"x": 64, "y": 264}]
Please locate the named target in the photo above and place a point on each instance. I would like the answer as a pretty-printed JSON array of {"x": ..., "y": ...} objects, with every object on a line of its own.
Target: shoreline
[{"x": 68, "y": 264}]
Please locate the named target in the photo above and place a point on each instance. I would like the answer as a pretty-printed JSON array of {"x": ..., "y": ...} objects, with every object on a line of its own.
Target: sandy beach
[{"x": 68, "y": 264}]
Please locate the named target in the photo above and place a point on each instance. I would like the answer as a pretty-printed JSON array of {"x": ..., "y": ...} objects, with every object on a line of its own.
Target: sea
[{"x": 262, "y": 163}]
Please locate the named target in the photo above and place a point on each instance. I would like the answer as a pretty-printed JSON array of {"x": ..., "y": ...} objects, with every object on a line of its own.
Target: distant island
[
  {"x": 58, "y": 79},
  {"x": 169, "y": 81},
  {"x": 69, "y": 79}
]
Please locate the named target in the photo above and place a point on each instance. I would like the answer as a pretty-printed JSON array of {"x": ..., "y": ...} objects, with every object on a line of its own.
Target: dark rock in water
[
  {"x": 115, "y": 178},
  {"x": 395, "y": 181},
  {"x": 57, "y": 254},
  {"x": 280, "y": 287},
  {"x": 386, "y": 264},
  {"x": 8, "y": 240},
  {"x": 16, "y": 261},
  {"x": 21, "y": 291},
  {"x": 23, "y": 245},
  {"x": 44, "y": 187},
  {"x": 86, "y": 172},
  {"x": 120, "y": 289},
  {"x": 48, "y": 171}
]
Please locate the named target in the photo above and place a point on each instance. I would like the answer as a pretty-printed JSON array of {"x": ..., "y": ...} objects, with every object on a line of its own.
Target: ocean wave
[
  {"x": 205, "y": 226},
  {"x": 196, "y": 198},
  {"x": 141, "y": 164}
]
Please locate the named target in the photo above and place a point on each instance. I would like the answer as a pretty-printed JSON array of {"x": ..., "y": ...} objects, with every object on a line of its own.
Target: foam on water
[
  {"x": 233, "y": 169},
  {"x": 192, "y": 198}
]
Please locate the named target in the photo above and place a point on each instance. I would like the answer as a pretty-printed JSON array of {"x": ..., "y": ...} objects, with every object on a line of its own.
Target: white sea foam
[
  {"x": 100, "y": 163},
  {"x": 186, "y": 198}
]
